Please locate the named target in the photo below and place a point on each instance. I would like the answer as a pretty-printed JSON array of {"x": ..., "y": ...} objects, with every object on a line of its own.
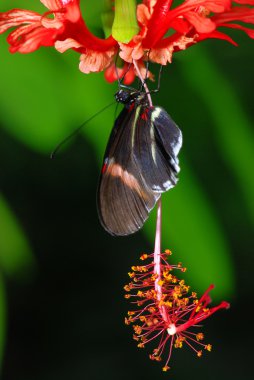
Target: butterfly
[{"x": 140, "y": 163}]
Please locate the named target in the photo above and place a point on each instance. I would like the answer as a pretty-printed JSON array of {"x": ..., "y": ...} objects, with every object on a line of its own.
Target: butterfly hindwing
[
  {"x": 168, "y": 134},
  {"x": 156, "y": 138}
]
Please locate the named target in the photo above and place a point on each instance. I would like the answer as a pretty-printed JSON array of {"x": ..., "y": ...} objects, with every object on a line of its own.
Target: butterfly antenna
[
  {"x": 75, "y": 132},
  {"x": 117, "y": 75},
  {"x": 159, "y": 80},
  {"x": 120, "y": 81}
]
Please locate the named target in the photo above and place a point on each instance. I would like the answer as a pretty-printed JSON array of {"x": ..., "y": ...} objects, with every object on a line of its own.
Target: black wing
[
  {"x": 138, "y": 166},
  {"x": 157, "y": 150}
]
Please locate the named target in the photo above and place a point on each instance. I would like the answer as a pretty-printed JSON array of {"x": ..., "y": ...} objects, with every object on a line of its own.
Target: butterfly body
[{"x": 140, "y": 163}]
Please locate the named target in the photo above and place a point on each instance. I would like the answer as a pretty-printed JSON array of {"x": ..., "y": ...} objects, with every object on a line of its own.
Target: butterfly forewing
[{"x": 124, "y": 199}]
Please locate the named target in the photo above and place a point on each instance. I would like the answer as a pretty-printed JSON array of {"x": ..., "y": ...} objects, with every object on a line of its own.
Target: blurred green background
[{"x": 61, "y": 275}]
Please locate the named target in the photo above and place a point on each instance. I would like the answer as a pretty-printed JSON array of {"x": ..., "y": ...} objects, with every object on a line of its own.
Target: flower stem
[
  {"x": 157, "y": 252},
  {"x": 157, "y": 243},
  {"x": 157, "y": 264},
  {"x": 143, "y": 82}
]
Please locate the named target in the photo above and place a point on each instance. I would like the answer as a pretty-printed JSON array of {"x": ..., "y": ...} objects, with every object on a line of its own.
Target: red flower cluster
[
  {"x": 166, "y": 310},
  {"x": 187, "y": 24}
]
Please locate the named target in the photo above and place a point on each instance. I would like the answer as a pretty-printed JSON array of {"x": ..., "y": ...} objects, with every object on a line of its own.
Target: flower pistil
[{"x": 166, "y": 310}]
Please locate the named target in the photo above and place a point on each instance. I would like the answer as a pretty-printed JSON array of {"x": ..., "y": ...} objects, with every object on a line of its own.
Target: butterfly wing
[
  {"x": 157, "y": 147},
  {"x": 168, "y": 135},
  {"x": 139, "y": 164},
  {"x": 124, "y": 199}
]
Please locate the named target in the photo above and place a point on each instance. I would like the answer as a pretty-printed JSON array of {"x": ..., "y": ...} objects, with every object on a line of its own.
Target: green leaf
[
  {"x": 233, "y": 129},
  {"x": 33, "y": 86},
  {"x": 3, "y": 317},
  {"x": 16, "y": 258}
]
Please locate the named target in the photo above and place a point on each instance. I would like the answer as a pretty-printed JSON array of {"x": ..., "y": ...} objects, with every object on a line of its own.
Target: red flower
[
  {"x": 66, "y": 30},
  {"x": 166, "y": 310},
  {"x": 188, "y": 23}
]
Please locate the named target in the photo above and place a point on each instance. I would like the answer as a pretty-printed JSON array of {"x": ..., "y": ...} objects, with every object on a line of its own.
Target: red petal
[
  {"x": 248, "y": 31},
  {"x": 244, "y": 14},
  {"x": 32, "y": 40},
  {"x": 216, "y": 34},
  {"x": 162, "y": 17},
  {"x": 17, "y": 17},
  {"x": 64, "y": 45},
  {"x": 55, "y": 4},
  {"x": 180, "y": 25},
  {"x": 17, "y": 36},
  {"x": 201, "y": 24},
  {"x": 93, "y": 61},
  {"x": 156, "y": 29},
  {"x": 127, "y": 72}
]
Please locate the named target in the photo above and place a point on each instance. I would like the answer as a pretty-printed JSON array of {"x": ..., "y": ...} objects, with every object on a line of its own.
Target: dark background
[{"x": 61, "y": 276}]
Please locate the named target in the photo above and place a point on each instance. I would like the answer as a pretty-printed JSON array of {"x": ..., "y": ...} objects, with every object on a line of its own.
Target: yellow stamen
[
  {"x": 208, "y": 347},
  {"x": 200, "y": 336}
]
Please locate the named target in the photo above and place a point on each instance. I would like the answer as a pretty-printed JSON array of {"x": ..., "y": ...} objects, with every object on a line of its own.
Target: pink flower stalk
[
  {"x": 166, "y": 311},
  {"x": 188, "y": 23}
]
